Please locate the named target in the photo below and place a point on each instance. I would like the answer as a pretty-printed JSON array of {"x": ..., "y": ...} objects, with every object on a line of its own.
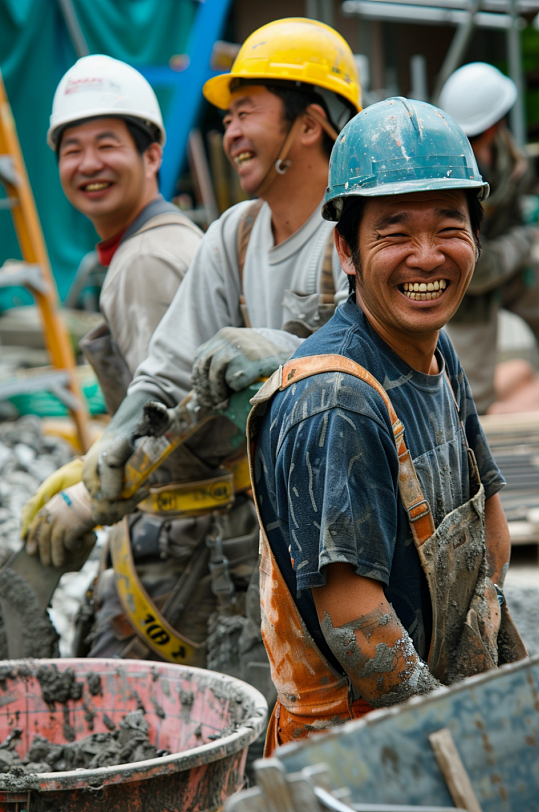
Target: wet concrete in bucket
[
  {"x": 127, "y": 743},
  {"x": 124, "y": 743}
]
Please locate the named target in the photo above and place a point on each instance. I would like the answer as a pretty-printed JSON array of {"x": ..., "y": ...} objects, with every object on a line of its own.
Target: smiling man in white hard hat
[
  {"x": 478, "y": 96},
  {"x": 108, "y": 135}
]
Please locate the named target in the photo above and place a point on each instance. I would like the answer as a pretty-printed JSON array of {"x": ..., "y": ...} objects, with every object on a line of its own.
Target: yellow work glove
[
  {"x": 64, "y": 477},
  {"x": 65, "y": 522}
]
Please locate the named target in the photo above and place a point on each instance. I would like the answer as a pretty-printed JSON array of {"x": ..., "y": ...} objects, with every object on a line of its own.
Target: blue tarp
[{"x": 35, "y": 51}]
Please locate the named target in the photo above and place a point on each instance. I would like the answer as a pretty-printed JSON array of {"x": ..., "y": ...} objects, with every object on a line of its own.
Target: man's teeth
[
  {"x": 97, "y": 186},
  {"x": 424, "y": 291},
  {"x": 243, "y": 157}
]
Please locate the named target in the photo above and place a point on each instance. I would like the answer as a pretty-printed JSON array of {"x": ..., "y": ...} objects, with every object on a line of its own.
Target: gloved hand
[
  {"x": 62, "y": 478},
  {"x": 232, "y": 360},
  {"x": 64, "y": 523},
  {"x": 67, "y": 522},
  {"x": 103, "y": 467}
]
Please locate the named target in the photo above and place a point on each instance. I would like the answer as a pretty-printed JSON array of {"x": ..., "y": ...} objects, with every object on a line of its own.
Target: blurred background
[{"x": 406, "y": 48}]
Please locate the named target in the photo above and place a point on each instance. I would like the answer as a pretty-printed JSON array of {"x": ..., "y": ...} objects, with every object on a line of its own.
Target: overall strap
[
  {"x": 416, "y": 506},
  {"x": 244, "y": 233},
  {"x": 156, "y": 208},
  {"x": 247, "y": 221}
]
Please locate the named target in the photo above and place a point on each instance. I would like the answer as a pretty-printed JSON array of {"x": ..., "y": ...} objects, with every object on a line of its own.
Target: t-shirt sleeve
[{"x": 336, "y": 489}]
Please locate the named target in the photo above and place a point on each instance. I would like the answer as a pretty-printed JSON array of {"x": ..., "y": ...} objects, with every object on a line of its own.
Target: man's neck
[
  {"x": 294, "y": 196},
  {"x": 111, "y": 225},
  {"x": 418, "y": 351}
]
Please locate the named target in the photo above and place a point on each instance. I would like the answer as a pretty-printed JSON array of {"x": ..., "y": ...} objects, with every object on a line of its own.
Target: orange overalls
[{"x": 312, "y": 695}]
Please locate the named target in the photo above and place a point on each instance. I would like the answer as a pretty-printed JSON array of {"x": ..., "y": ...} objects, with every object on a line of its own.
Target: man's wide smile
[
  {"x": 424, "y": 291},
  {"x": 243, "y": 157}
]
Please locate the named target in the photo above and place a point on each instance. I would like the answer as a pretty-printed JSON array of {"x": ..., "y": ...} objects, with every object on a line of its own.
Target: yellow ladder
[{"x": 36, "y": 276}]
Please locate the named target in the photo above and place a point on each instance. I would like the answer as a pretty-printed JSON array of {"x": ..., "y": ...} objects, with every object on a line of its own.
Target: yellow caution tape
[
  {"x": 149, "y": 624},
  {"x": 197, "y": 498},
  {"x": 191, "y": 499}
]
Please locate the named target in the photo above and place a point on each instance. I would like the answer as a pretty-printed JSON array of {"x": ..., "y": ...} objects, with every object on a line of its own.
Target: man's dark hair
[
  {"x": 350, "y": 221},
  {"x": 142, "y": 133},
  {"x": 295, "y": 101}
]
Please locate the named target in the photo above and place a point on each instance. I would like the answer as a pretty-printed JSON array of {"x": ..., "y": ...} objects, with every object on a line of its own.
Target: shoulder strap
[
  {"x": 245, "y": 227},
  {"x": 170, "y": 219},
  {"x": 168, "y": 213},
  {"x": 415, "y": 504}
]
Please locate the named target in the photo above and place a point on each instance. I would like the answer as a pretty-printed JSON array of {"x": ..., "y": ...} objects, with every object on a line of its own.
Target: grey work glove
[
  {"x": 103, "y": 467},
  {"x": 232, "y": 360}
]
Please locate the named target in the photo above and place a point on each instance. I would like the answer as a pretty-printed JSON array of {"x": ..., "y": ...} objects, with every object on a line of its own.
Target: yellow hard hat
[{"x": 295, "y": 49}]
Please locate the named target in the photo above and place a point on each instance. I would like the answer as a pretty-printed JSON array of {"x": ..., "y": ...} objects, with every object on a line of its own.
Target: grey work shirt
[
  {"x": 143, "y": 276},
  {"x": 279, "y": 281}
]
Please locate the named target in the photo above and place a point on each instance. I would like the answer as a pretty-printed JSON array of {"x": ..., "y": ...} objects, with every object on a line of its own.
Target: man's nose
[
  {"x": 90, "y": 162},
  {"x": 232, "y": 132},
  {"x": 426, "y": 255}
]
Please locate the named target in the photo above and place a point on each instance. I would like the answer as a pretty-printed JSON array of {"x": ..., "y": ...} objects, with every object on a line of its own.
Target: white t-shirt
[{"x": 279, "y": 281}]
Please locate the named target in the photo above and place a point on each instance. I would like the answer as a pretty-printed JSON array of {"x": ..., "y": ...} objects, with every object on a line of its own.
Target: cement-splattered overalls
[{"x": 467, "y": 637}]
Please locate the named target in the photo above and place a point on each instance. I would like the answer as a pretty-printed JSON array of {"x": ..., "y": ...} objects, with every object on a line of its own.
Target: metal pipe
[
  {"x": 517, "y": 115},
  {"x": 330, "y": 802},
  {"x": 428, "y": 15},
  {"x": 500, "y": 6},
  {"x": 457, "y": 49},
  {"x": 418, "y": 70},
  {"x": 73, "y": 26}
]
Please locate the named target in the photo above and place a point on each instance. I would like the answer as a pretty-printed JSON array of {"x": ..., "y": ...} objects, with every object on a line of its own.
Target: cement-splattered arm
[{"x": 365, "y": 635}]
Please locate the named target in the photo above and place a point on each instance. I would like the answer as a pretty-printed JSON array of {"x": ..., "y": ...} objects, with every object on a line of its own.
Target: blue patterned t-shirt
[{"x": 326, "y": 468}]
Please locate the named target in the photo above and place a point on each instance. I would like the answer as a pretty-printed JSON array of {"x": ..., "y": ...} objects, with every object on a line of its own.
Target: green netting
[
  {"x": 35, "y": 51},
  {"x": 45, "y": 404}
]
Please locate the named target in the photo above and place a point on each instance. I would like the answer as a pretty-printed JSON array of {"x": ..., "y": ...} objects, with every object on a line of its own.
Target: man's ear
[
  {"x": 153, "y": 157},
  {"x": 312, "y": 130},
  {"x": 345, "y": 254}
]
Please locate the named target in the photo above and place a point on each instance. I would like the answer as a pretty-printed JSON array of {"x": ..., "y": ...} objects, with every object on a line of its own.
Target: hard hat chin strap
[{"x": 282, "y": 164}]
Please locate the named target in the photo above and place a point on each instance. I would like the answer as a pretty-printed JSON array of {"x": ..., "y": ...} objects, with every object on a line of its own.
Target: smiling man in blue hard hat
[{"x": 384, "y": 544}]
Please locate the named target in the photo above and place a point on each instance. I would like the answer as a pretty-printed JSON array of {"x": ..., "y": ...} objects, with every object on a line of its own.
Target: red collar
[{"x": 107, "y": 248}]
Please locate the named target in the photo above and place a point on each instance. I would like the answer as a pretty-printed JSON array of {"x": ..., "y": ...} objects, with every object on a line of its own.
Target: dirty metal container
[
  {"x": 204, "y": 719},
  {"x": 387, "y": 758}
]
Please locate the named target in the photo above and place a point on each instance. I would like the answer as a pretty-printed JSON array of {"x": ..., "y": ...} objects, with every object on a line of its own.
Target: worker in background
[
  {"x": 266, "y": 275},
  {"x": 108, "y": 135},
  {"x": 479, "y": 97},
  {"x": 384, "y": 544}
]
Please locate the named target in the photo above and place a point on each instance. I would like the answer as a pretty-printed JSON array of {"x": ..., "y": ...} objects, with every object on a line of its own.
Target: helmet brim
[
  {"x": 217, "y": 90},
  {"x": 329, "y": 209}
]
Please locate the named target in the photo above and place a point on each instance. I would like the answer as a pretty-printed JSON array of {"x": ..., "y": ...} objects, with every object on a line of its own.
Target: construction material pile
[{"x": 27, "y": 457}]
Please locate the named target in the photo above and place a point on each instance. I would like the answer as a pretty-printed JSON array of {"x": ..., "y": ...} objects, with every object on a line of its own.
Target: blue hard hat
[{"x": 398, "y": 146}]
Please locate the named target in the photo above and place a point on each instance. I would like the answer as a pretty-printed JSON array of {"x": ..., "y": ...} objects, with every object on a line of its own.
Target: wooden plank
[{"x": 453, "y": 770}]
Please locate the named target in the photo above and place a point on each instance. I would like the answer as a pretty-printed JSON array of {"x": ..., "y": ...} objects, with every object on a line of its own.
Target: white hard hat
[
  {"x": 99, "y": 85},
  {"x": 477, "y": 96}
]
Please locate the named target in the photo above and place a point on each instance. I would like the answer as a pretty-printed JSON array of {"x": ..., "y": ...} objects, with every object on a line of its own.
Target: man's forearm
[
  {"x": 497, "y": 539},
  {"x": 379, "y": 657}
]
